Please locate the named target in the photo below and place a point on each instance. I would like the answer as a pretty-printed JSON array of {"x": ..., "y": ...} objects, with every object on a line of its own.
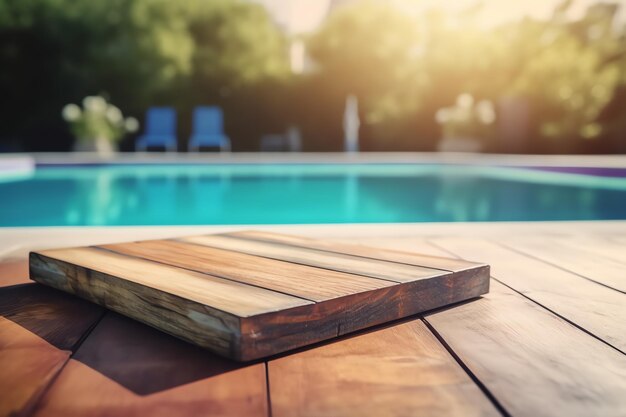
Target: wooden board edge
[
  {"x": 210, "y": 328},
  {"x": 248, "y": 338},
  {"x": 332, "y": 319}
]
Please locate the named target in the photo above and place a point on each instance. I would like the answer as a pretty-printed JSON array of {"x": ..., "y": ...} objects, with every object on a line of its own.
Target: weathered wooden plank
[
  {"x": 126, "y": 368},
  {"x": 529, "y": 359},
  {"x": 595, "y": 308},
  {"x": 390, "y": 271},
  {"x": 604, "y": 270},
  {"x": 181, "y": 317},
  {"x": 222, "y": 294},
  {"x": 533, "y": 362},
  {"x": 410, "y": 258},
  {"x": 400, "y": 370},
  {"x": 244, "y": 306},
  {"x": 39, "y": 328},
  {"x": 298, "y": 280}
]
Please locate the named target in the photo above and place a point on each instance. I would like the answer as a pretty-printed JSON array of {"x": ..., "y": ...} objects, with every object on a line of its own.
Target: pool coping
[{"x": 79, "y": 158}]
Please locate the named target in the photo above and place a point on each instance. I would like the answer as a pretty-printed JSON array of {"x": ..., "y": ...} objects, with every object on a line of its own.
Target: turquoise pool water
[{"x": 275, "y": 194}]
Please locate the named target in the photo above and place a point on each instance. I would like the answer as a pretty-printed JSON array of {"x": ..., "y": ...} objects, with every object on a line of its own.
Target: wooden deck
[{"x": 548, "y": 340}]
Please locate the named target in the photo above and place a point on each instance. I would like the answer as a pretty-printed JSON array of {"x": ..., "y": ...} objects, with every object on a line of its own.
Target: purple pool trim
[{"x": 595, "y": 171}]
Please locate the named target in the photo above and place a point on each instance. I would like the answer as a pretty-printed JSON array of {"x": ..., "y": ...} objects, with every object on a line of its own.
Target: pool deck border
[{"x": 583, "y": 161}]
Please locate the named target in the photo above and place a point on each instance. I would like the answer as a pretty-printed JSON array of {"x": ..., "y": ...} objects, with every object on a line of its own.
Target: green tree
[{"x": 137, "y": 52}]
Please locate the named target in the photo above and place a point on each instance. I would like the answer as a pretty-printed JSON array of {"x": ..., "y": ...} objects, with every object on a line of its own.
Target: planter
[{"x": 99, "y": 145}]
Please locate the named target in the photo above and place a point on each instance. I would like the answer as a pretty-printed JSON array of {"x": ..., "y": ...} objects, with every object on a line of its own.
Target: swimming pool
[{"x": 194, "y": 194}]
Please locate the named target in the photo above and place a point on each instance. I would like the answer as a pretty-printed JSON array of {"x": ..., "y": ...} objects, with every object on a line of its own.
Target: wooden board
[{"x": 252, "y": 295}]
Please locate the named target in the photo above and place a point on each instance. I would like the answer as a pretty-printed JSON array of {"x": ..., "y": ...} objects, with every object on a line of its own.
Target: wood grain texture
[
  {"x": 401, "y": 370},
  {"x": 245, "y": 306},
  {"x": 600, "y": 246},
  {"x": 334, "y": 261},
  {"x": 532, "y": 361},
  {"x": 403, "y": 257},
  {"x": 39, "y": 329},
  {"x": 595, "y": 308},
  {"x": 309, "y": 283},
  {"x": 603, "y": 270},
  {"x": 127, "y": 369},
  {"x": 222, "y": 294}
]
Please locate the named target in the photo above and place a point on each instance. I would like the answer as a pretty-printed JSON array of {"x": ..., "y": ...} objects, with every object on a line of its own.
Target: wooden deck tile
[
  {"x": 603, "y": 270},
  {"x": 126, "y": 368},
  {"x": 39, "y": 328},
  {"x": 600, "y": 246},
  {"x": 533, "y": 362},
  {"x": 595, "y": 308},
  {"x": 530, "y": 360},
  {"x": 242, "y": 304},
  {"x": 401, "y": 370}
]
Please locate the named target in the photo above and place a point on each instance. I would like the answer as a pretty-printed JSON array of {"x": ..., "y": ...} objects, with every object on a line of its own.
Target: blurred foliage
[
  {"x": 403, "y": 68},
  {"x": 370, "y": 50},
  {"x": 138, "y": 52}
]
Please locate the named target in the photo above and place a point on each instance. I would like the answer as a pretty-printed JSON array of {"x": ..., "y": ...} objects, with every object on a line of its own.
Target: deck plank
[
  {"x": 605, "y": 270},
  {"x": 600, "y": 246},
  {"x": 595, "y": 308},
  {"x": 532, "y": 361},
  {"x": 370, "y": 252},
  {"x": 385, "y": 270},
  {"x": 297, "y": 280},
  {"x": 125, "y": 368},
  {"x": 225, "y": 295},
  {"x": 39, "y": 329},
  {"x": 400, "y": 370}
]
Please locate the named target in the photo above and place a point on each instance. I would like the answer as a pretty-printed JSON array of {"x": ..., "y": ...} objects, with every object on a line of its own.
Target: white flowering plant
[
  {"x": 98, "y": 119},
  {"x": 467, "y": 118}
]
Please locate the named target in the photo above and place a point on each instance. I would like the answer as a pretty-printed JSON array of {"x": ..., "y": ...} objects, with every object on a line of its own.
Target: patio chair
[
  {"x": 160, "y": 130},
  {"x": 208, "y": 129}
]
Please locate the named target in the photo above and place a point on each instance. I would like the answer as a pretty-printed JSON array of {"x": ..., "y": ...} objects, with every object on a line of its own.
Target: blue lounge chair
[
  {"x": 160, "y": 129},
  {"x": 208, "y": 129}
]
